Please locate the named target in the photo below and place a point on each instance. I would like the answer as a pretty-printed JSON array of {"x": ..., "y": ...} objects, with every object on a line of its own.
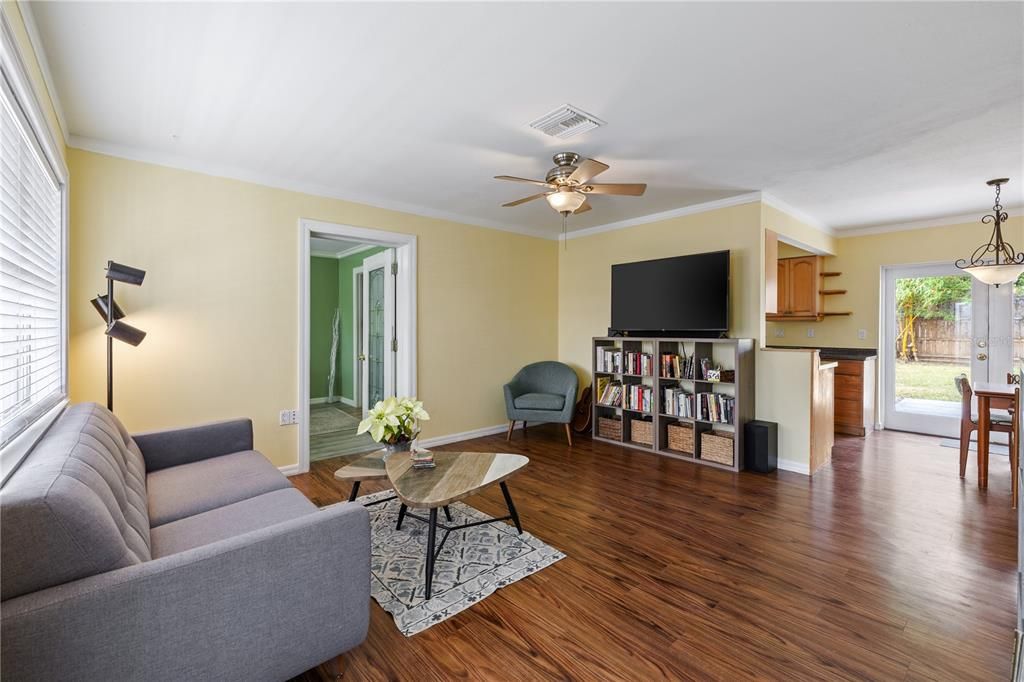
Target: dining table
[{"x": 991, "y": 395}]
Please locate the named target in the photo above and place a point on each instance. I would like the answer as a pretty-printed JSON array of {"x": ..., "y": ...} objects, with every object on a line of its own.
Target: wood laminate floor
[{"x": 883, "y": 566}]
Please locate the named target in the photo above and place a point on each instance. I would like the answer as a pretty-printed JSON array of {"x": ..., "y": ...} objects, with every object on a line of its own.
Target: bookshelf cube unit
[{"x": 667, "y": 381}]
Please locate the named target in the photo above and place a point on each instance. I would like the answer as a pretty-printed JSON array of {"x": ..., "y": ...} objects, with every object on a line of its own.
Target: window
[{"x": 32, "y": 262}]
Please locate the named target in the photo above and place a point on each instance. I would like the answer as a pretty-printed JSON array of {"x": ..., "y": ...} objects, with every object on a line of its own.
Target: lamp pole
[{"x": 110, "y": 342}]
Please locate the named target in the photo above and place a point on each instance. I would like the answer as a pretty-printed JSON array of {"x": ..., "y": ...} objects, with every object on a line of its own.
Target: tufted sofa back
[{"x": 76, "y": 506}]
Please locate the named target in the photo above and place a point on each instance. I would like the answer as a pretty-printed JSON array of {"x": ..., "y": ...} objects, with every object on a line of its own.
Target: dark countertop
[{"x": 859, "y": 354}]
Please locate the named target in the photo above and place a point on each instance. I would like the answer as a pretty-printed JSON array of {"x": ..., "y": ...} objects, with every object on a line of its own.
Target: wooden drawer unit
[{"x": 855, "y": 397}]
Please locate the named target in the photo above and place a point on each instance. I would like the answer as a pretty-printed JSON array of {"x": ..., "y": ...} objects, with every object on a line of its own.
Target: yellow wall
[
  {"x": 796, "y": 230},
  {"x": 860, "y": 259},
  {"x": 35, "y": 73},
  {"x": 221, "y": 294},
  {"x": 584, "y": 272}
]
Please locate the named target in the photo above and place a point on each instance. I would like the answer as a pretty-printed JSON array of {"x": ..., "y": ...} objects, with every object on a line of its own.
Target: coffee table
[{"x": 456, "y": 476}]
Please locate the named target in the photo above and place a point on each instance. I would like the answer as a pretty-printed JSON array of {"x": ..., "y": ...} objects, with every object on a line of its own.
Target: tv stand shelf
[{"x": 728, "y": 354}]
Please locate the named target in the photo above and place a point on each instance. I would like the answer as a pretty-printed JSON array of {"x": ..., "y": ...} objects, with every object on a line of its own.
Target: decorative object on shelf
[
  {"x": 111, "y": 312},
  {"x": 727, "y": 375},
  {"x": 395, "y": 423},
  {"x": 1006, "y": 264},
  {"x": 713, "y": 375}
]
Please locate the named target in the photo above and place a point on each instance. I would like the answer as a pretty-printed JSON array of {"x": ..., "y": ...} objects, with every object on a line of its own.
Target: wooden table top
[
  {"x": 994, "y": 389},
  {"x": 367, "y": 468},
  {"x": 455, "y": 476}
]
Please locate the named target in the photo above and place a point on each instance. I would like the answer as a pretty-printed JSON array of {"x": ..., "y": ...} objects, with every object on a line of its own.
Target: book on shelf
[
  {"x": 609, "y": 359},
  {"x": 716, "y": 407},
  {"x": 639, "y": 363},
  {"x": 679, "y": 402},
  {"x": 638, "y": 397},
  {"x": 611, "y": 395},
  {"x": 677, "y": 366}
]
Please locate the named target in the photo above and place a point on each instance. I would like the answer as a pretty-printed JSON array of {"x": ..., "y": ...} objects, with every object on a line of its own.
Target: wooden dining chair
[{"x": 1002, "y": 421}]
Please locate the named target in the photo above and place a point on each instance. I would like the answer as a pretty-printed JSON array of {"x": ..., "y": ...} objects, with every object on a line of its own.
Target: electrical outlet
[
  {"x": 810, "y": 332},
  {"x": 862, "y": 334},
  {"x": 288, "y": 417},
  {"x": 780, "y": 332}
]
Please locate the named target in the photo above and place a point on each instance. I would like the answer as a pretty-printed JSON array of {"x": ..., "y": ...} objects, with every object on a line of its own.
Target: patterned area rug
[
  {"x": 473, "y": 563},
  {"x": 328, "y": 418}
]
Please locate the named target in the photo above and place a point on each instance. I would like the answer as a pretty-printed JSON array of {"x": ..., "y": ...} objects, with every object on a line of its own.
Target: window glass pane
[{"x": 31, "y": 324}]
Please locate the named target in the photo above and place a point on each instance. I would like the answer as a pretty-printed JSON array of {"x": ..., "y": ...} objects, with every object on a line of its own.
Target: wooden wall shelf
[
  {"x": 830, "y": 274},
  {"x": 831, "y": 292}
]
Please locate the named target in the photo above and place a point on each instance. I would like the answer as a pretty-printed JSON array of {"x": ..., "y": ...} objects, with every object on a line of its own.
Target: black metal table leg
[
  {"x": 401, "y": 516},
  {"x": 355, "y": 491},
  {"x": 430, "y": 549},
  {"x": 448, "y": 513},
  {"x": 511, "y": 507}
]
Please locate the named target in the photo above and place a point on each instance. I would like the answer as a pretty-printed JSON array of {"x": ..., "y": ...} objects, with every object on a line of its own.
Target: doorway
[
  {"x": 373, "y": 329},
  {"x": 938, "y": 323}
]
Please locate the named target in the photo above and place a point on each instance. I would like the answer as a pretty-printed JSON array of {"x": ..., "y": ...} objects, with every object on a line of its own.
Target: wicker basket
[
  {"x": 717, "y": 446},
  {"x": 641, "y": 431},
  {"x": 728, "y": 375},
  {"x": 609, "y": 428},
  {"x": 680, "y": 438}
]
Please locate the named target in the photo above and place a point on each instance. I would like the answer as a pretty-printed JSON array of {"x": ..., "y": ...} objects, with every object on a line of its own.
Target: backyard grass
[{"x": 926, "y": 380}]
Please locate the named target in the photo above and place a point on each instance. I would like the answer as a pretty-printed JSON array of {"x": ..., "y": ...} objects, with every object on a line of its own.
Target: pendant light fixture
[{"x": 1005, "y": 265}]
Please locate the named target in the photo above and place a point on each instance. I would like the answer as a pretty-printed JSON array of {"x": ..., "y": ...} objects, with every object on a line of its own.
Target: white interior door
[
  {"x": 938, "y": 323},
  {"x": 358, "y": 355},
  {"x": 378, "y": 373}
]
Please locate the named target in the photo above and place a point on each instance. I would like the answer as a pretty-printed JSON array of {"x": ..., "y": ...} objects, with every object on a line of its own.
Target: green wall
[
  {"x": 323, "y": 299},
  {"x": 348, "y": 322}
]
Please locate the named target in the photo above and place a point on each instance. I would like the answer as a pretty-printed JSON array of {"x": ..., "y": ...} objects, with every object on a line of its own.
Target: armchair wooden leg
[
  {"x": 568, "y": 434},
  {"x": 511, "y": 425},
  {"x": 335, "y": 668}
]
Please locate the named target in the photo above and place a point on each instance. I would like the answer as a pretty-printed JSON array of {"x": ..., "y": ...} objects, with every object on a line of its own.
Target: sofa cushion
[
  {"x": 539, "y": 401},
  {"x": 190, "y": 489},
  {"x": 76, "y": 506},
  {"x": 234, "y": 519}
]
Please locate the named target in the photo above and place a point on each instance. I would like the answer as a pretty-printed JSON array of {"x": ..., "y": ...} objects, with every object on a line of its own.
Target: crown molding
[
  {"x": 233, "y": 173},
  {"x": 29, "y": 20},
  {"x": 960, "y": 219},
  {"x": 795, "y": 212},
  {"x": 747, "y": 198}
]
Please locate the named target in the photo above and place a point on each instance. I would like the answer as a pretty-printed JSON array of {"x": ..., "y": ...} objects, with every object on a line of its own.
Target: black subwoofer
[{"x": 761, "y": 446}]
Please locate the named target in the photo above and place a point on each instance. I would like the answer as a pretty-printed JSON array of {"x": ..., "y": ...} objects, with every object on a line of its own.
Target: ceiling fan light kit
[{"x": 566, "y": 200}]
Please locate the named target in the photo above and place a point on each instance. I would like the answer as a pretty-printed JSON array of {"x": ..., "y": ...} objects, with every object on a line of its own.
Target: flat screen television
[{"x": 680, "y": 294}]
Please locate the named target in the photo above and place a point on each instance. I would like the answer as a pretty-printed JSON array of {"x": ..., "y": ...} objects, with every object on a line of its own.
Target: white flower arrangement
[{"x": 394, "y": 420}]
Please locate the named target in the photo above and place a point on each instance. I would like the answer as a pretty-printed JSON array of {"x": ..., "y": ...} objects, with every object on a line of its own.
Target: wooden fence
[{"x": 950, "y": 340}]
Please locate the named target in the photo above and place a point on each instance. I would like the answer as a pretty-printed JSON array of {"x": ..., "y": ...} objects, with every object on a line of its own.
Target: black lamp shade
[
  {"x": 125, "y": 273},
  {"x": 100, "y": 304},
  {"x": 122, "y": 331}
]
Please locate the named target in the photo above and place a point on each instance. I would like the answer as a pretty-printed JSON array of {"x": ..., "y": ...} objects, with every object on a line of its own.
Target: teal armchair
[{"x": 541, "y": 392}]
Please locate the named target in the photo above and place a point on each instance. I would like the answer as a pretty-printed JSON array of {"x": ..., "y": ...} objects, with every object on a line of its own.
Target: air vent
[{"x": 566, "y": 121}]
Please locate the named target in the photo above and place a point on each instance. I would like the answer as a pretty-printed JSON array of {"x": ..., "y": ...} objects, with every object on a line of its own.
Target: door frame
[
  {"x": 887, "y": 370},
  {"x": 383, "y": 261},
  {"x": 357, "y": 334},
  {"x": 405, "y": 313}
]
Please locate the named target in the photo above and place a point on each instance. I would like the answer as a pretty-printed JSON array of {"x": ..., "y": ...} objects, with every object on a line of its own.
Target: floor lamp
[{"x": 112, "y": 314}]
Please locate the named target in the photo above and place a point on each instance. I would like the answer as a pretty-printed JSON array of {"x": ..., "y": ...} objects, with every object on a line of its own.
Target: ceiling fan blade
[
  {"x": 582, "y": 209},
  {"x": 532, "y": 182},
  {"x": 632, "y": 190},
  {"x": 586, "y": 170},
  {"x": 524, "y": 199}
]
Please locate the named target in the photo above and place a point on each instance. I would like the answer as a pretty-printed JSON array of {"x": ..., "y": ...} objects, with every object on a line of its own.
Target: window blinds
[{"x": 31, "y": 287}]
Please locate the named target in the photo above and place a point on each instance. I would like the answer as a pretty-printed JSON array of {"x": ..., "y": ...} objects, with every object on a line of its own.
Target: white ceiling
[{"x": 857, "y": 114}]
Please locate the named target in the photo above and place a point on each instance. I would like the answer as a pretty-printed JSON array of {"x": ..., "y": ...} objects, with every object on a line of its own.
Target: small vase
[{"x": 392, "y": 448}]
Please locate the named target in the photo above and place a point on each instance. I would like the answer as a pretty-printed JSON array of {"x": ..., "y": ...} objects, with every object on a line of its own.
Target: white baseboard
[
  {"x": 320, "y": 401},
  {"x": 292, "y": 469},
  {"x": 348, "y": 401},
  {"x": 794, "y": 466},
  {"x": 465, "y": 435}
]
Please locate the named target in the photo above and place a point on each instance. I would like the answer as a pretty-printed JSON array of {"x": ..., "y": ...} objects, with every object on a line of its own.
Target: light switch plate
[
  {"x": 810, "y": 332},
  {"x": 288, "y": 417},
  {"x": 780, "y": 332},
  {"x": 862, "y": 334}
]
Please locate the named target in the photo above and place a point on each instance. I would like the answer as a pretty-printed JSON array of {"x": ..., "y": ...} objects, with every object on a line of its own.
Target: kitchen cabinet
[
  {"x": 855, "y": 396},
  {"x": 798, "y": 289}
]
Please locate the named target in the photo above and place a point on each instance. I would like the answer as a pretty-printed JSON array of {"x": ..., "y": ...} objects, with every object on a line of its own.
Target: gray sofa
[{"x": 176, "y": 555}]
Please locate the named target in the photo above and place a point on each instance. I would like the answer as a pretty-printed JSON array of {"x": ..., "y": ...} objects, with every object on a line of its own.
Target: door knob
[
  {"x": 362, "y": 357},
  {"x": 982, "y": 356},
  {"x": 982, "y": 344}
]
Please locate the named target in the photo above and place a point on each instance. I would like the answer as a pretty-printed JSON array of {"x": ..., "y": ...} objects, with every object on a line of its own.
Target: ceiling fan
[{"x": 567, "y": 185}]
